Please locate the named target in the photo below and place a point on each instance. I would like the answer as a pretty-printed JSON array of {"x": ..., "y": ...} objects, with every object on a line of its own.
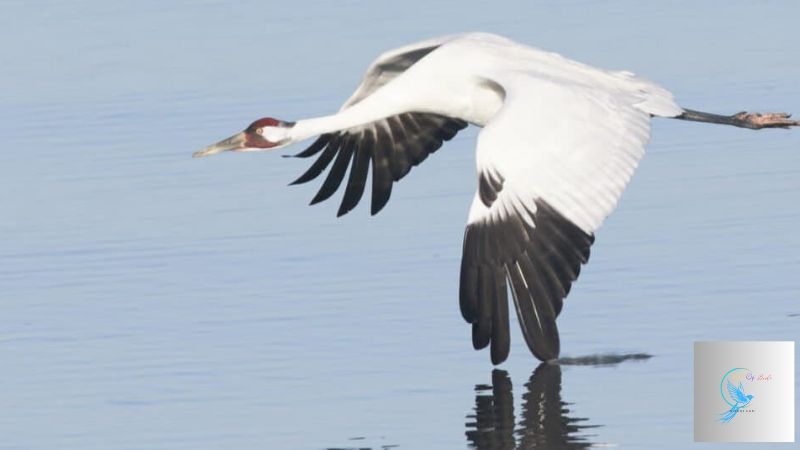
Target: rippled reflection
[{"x": 545, "y": 419}]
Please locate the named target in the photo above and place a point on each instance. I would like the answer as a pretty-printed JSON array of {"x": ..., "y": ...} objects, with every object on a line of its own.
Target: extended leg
[{"x": 754, "y": 121}]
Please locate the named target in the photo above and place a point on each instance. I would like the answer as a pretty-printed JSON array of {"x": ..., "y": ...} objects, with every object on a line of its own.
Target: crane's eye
[{"x": 260, "y": 131}]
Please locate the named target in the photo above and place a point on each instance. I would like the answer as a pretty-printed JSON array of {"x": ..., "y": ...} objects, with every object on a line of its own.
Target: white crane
[{"x": 560, "y": 141}]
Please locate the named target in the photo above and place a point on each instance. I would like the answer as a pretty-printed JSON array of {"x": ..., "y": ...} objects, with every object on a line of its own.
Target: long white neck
[{"x": 375, "y": 107}]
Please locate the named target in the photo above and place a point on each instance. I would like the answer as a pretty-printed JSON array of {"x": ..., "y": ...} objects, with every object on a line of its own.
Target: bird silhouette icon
[{"x": 739, "y": 398}]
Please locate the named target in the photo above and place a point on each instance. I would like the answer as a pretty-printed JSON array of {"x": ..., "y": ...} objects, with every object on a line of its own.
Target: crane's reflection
[{"x": 545, "y": 421}]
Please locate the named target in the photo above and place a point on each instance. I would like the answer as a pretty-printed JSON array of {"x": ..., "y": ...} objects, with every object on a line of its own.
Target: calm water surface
[{"x": 150, "y": 300}]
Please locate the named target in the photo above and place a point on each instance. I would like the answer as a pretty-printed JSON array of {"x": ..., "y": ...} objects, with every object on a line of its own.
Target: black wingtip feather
[
  {"x": 379, "y": 200},
  {"x": 322, "y": 162},
  {"x": 381, "y": 172},
  {"x": 540, "y": 262},
  {"x": 481, "y": 335},
  {"x": 314, "y": 148},
  {"x": 482, "y": 327},
  {"x": 501, "y": 340},
  {"x": 336, "y": 174},
  {"x": 397, "y": 144},
  {"x": 468, "y": 288},
  {"x": 358, "y": 174}
]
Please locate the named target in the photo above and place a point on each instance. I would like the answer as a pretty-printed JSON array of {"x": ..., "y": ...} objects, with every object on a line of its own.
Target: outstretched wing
[
  {"x": 551, "y": 166},
  {"x": 391, "y": 146},
  {"x": 392, "y": 63}
]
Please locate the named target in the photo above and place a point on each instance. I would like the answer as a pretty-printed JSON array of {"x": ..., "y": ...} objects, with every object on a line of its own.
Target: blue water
[{"x": 150, "y": 300}]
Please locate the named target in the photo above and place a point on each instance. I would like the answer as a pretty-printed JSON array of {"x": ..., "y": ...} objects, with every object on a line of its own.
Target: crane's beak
[{"x": 235, "y": 142}]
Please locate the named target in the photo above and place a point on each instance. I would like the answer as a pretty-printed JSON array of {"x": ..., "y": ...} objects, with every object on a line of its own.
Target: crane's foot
[
  {"x": 756, "y": 121},
  {"x": 744, "y": 119}
]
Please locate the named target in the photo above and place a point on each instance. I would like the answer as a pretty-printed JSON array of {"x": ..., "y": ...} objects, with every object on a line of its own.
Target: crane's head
[{"x": 263, "y": 134}]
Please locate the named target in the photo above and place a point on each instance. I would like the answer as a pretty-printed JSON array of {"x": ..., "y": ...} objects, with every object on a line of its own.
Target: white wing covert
[{"x": 392, "y": 63}]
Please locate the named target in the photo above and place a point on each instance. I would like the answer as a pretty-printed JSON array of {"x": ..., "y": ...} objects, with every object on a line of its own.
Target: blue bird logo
[{"x": 733, "y": 394}]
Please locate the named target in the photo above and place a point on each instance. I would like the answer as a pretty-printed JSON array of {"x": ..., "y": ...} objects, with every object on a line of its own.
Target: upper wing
[
  {"x": 391, "y": 146},
  {"x": 551, "y": 166},
  {"x": 392, "y": 63}
]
